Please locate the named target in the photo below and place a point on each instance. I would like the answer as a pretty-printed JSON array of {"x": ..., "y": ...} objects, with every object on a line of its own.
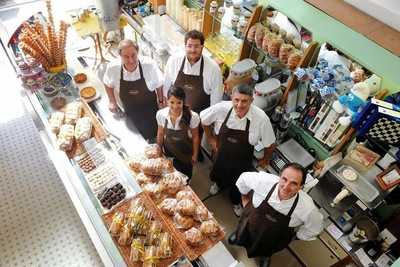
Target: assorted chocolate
[{"x": 111, "y": 196}]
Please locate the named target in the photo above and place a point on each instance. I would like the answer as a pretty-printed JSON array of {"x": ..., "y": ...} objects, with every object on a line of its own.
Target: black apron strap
[
  {"x": 140, "y": 71},
  {"x": 293, "y": 206},
  {"x": 247, "y": 125},
  {"x": 270, "y": 192},
  {"x": 183, "y": 64},
  {"x": 227, "y": 117},
  {"x": 201, "y": 66},
  {"x": 122, "y": 73}
]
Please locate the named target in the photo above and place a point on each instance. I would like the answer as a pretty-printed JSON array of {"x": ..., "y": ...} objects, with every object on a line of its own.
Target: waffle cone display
[{"x": 44, "y": 43}]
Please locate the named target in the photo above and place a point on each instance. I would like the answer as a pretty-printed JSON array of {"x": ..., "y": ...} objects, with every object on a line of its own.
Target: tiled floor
[{"x": 39, "y": 225}]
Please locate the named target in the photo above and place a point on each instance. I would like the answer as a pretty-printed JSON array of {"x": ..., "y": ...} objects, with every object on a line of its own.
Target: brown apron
[
  {"x": 193, "y": 86},
  {"x": 263, "y": 230},
  {"x": 234, "y": 156},
  {"x": 178, "y": 144},
  {"x": 139, "y": 104}
]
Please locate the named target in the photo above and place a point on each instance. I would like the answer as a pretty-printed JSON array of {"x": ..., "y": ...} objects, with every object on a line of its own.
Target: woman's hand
[
  {"x": 194, "y": 159},
  {"x": 213, "y": 143}
]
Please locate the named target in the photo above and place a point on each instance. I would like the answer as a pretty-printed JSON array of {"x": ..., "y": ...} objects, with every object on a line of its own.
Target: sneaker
[
  {"x": 232, "y": 238},
  {"x": 238, "y": 210},
  {"x": 214, "y": 189}
]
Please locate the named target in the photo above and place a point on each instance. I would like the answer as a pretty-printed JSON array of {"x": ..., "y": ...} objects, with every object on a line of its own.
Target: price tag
[{"x": 90, "y": 144}]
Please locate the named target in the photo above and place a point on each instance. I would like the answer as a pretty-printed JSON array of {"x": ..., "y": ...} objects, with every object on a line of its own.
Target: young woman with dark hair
[{"x": 178, "y": 131}]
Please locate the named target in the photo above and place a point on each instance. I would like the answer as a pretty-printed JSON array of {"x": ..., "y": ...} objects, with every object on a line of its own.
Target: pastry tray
[
  {"x": 125, "y": 250},
  {"x": 98, "y": 131},
  {"x": 192, "y": 252}
]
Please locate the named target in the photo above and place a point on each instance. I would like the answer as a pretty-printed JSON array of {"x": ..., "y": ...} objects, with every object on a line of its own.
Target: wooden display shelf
[
  {"x": 191, "y": 252},
  {"x": 125, "y": 250}
]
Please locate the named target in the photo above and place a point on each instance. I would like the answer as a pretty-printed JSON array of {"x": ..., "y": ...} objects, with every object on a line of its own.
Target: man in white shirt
[
  {"x": 238, "y": 127},
  {"x": 198, "y": 75},
  {"x": 274, "y": 207},
  {"x": 131, "y": 85}
]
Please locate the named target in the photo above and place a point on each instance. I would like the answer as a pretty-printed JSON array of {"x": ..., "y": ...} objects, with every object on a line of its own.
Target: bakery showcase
[{"x": 331, "y": 112}]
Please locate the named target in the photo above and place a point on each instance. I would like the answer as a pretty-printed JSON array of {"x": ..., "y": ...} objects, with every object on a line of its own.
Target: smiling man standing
[
  {"x": 238, "y": 127},
  {"x": 136, "y": 87},
  {"x": 274, "y": 206},
  {"x": 198, "y": 75}
]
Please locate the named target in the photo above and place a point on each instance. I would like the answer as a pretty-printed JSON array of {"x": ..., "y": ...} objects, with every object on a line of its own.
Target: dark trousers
[
  {"x": 235, "y": 195},
  {"x": 185, "y": 168}
]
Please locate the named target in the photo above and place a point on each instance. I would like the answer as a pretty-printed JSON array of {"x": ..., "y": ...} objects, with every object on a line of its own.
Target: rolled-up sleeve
[
  {"x": 311, "y": 227},
  {"x": 243, "y": 183},
  {"x": 216, "y": 90},
  {"x": 110, "y": 78},
  {"x": 195, "y": 120},
  {"x": 160, "y": 118},
  {"x": 156, "y": 77},
  {"x": 209, "y": 115},
  {"x": 267, "y": 133},
  {"x": 170, "y": 75}
]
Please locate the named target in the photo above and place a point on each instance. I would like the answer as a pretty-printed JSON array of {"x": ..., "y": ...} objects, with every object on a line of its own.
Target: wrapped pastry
[
  {"x": 138, "y": 219},
  {"x": 154, "y": 233},
  {"x": 186, "y": 207},
  {"x": 209, "y": 228},
  {"x": 167, "y": 165},
  {"x": 193, "y": 236},
  {"x": 135, "y": 203},
  {"x": 83, "y": 129},
  {"x": 154, "y": 190},
  {"x": 284, "y": 52},
  {"x": 251, "y": 35},
  {"x": 55, "y": 121},
  {"x": 135, "y": 163},
  {"x": 143, "y": 179},
  {"x": 165, "y": 245},
  {"x": 168, "y": 206},
  {"x": 274, "y": 27},
  {"x": 202, "y": 214},
  {"x": 184, "y": 194},
  {"x": 297, "y": 43},
  {"x": 173, "y": 182},
  {"x": 152, "y": 167},
  {"x": 116, "y": 223},
  {"x": 151, "y": 256},
  {"x": 73, "y": 112},
  {"x": 273, "y": 47},
  {"x": 137, "y": 250},
  {"x": 153, "y": 151},
  {"x": 268, "y": 37},
  {"x": 125, "y": 235},
  {"x": 294, "y": 60},
  {"x": 183, "y": 222},
  {"x": 65, "y": 137},
  {"x": 260, "y": 32}
]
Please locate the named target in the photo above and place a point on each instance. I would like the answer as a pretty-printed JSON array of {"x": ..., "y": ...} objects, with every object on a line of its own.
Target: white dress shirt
[
  {"x": 260, "y": 126},
  {"x": 163, "y": 114},
  {"x": 305, "y": 216},
  {"x": 151, "y": 72},
  {"x": 212, "y": 77}
]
